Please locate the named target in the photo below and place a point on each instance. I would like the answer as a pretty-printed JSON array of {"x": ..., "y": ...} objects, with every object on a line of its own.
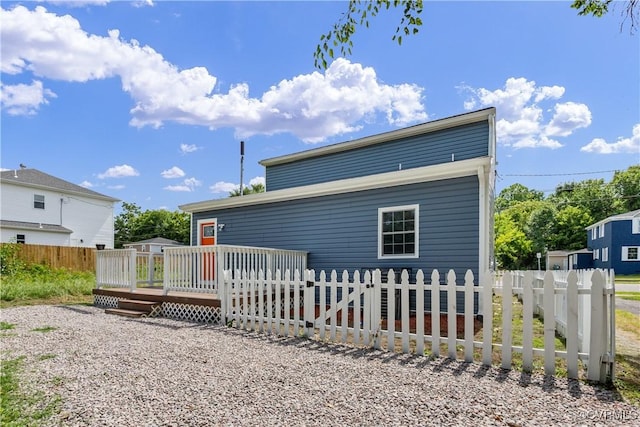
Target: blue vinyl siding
[
  {"x": 341, "y": 231},
  {"x": 616, "y": 235},
  {"x": 464, "y": 142}
]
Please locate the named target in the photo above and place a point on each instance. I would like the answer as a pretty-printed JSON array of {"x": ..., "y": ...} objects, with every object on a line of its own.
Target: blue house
[
  {"x": 580, "y": 260},
  {"x": 414, "y": 198},
  {"x": 615, "y": 243}
]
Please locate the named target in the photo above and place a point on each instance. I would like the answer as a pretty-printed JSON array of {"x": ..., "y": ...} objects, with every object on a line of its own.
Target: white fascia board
[
  {"x": 441, "y": 171},
  {"x": 425, "y": 128}
]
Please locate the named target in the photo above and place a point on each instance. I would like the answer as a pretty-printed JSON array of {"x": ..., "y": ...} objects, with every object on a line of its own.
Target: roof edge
[{"x": 432, "y": 126}]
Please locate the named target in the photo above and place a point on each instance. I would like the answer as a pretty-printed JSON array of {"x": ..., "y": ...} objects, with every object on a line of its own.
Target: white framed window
[
  {"x": 605, "y": 254},
  {"x": 601, "y": 234},
  {"x": 398, "y": 232},
  {"x": 631, "y": 253},
  {"x": 21, "y": 238},
  {"x": 596, "y": 254},
  {"x": 594, "y": 233},
  {"x": 635, "y": 225},
  {"x": 38, "y": 201}
]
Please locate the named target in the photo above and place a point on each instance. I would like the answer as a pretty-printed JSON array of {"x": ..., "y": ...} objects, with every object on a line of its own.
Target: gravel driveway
[{"x": 112, "y": 371}]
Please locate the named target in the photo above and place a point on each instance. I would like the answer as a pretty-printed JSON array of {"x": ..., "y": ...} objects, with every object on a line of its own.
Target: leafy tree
[
  {"x": 360, "y": 12},
  {"x": 513, "y": 248},
  {"x": 516, "y": 193},
  {"x": 592, "y": 194},
  {"x": 569, "y": 230},
  {"x": 626, "y": 186},
  {"x": 540, "y": 227},
  {"x": 253, "y": 189},
  {"x": 133, "y": 225}
]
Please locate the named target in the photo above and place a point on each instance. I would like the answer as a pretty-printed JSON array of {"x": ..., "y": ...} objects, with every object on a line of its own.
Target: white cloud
[
  {"x": 86, "y": 184},
  {"x": 23, "y": 99},
  {"x": 188, "y": 148},
  {"x": 188, "y": 185},
  {"x": 174, "y": 172},
  {"x": 520, "y": 113},
  {"x": 116, "y": 187},
  {"x": 223, "y": 187},
  {"x": 567, "y": 118},
  {"x": 622, "y": 145},
  {"x": 76, "y": 3},
  {"x": 257, "y": 180},
  {"x": 119, "y": 171},
  {"x": 311, "y": 106}
]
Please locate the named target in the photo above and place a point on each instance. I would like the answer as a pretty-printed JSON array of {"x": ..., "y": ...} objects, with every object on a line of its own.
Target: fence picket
[
  {"x": 527, "y": 322},
  {"x": 376, "y": 309},
  {"x": 596, "y": 345},
  {"x": 296, "y": 302},
  {"x": 487, "y": 321},
  {"x": 451, "y": 314},
  {"x": 344, "y": 327},
  {"x": 572, "y": 325},
  {"x": 548, "y": 301},
  {"x": 252, "y": 299},
  {"x": 404, "y": 301},
  {"x": 420, "y": 313},
  {"x": 334, "y": 300},
  {"x": 286, "y": 288},
  {"x": 357, "y": 289},
  {"x": 391, "y": 310},
  {"x": 507, "y": 320},
  {"x": 323, "y": 305},
  {"x": 435, "y": 313},
  {"x": 269, "y": 291},
  {"x": 309, "y": 303},
  {"x": 468, "y": 316},
  {"x": 278, "y": 297}
]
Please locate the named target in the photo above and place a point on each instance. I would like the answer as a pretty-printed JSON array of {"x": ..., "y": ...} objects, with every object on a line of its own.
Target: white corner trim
[{"x": 437, "y": 172}]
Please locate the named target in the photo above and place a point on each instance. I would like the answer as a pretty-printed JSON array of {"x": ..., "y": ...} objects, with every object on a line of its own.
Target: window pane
[{"x": 632, "y": 253}]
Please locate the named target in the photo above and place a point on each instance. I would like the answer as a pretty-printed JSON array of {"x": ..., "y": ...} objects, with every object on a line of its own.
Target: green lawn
[{"x": 627, "y": 279}]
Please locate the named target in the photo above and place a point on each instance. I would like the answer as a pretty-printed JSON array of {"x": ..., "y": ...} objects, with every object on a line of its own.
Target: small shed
[
  {"x": 155, "y": 245},
  {"x": 580, "y": 260},
  {"x": 557, "y": 260}
]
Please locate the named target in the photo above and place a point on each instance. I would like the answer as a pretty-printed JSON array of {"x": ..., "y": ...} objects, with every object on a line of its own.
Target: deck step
[
  {"x": 125, "y": 312},
  {"x": 138, "y": 305}
]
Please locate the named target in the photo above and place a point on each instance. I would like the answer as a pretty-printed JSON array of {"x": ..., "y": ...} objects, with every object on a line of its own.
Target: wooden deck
[{"x": 157, "y": 295}]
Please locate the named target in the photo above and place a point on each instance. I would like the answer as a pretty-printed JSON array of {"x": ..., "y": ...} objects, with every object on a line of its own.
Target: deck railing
[
  {"x": 189, "y": 268},
  {"x": 198, "y": 268}
]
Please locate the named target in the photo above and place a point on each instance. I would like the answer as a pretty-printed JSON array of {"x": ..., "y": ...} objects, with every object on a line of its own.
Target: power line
[{"x": 560, "y": 174}]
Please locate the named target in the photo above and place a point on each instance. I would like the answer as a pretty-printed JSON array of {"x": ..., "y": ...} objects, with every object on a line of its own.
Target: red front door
[{"x": 208, "y": 237}]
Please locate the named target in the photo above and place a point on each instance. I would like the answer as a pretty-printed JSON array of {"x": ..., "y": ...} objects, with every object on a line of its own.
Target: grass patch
[
  {"x": 627, "y": 279},
  {"x": 5, "y": 326},
  {"x": 18, "y": 408},
  {"x": 628, "y": 322},
  {"x": 46, "y": 356},
  {"x": 38, "y": 284},
  {"x": 44, "y": 329},
  {"x": 631, "y": 296}
]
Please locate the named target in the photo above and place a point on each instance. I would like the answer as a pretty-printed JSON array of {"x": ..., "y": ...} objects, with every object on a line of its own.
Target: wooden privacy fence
[
  {"x": 349, "y": 310},
  {"x": 70, "y": 257}
]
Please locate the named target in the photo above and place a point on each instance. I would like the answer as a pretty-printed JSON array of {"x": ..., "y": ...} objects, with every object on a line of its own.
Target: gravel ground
[{"x": 112, "y": 371}]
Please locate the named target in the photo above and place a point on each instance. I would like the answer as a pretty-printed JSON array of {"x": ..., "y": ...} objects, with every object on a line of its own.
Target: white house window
[
  {"x": 601, "y": 230},
  {"x": 630, "y": 253},
  {"x": 594, "y": 233},
  {"x": 596, "y": 254},
  {"x": 38, "y": 201},
  {"x": 398, "y": 232},
  {"x": 605, "y": 254},
  {"x": 20, "y": 238},
  {"x": 635, "y": 225}
]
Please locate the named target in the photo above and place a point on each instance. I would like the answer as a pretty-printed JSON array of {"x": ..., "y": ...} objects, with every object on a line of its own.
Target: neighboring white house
[
  {"x": 37, "y": 208},
  {"x": 155, "y": 245}
]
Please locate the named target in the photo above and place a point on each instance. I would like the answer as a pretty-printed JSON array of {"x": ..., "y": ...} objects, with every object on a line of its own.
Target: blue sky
[{"x": 146, "y": 101}]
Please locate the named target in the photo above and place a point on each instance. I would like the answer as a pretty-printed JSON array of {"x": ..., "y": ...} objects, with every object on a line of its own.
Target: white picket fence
[{"x": 349, "y": 310}]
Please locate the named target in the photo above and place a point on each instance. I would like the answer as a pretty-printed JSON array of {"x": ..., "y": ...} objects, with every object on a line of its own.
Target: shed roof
[
  {"x": 155, "y": 241},
  {"x": 38, "y": 179}
]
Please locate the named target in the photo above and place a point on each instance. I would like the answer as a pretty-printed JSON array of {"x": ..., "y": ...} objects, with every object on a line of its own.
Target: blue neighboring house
[
  {"x": 580, "y": 260},
  {"x": 615, "y": 243},
  {"x": 420, "y": 197}
]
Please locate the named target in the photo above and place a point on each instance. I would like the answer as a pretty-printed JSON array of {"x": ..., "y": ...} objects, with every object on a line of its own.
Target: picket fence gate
[{"x": 350, "y": 310}]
